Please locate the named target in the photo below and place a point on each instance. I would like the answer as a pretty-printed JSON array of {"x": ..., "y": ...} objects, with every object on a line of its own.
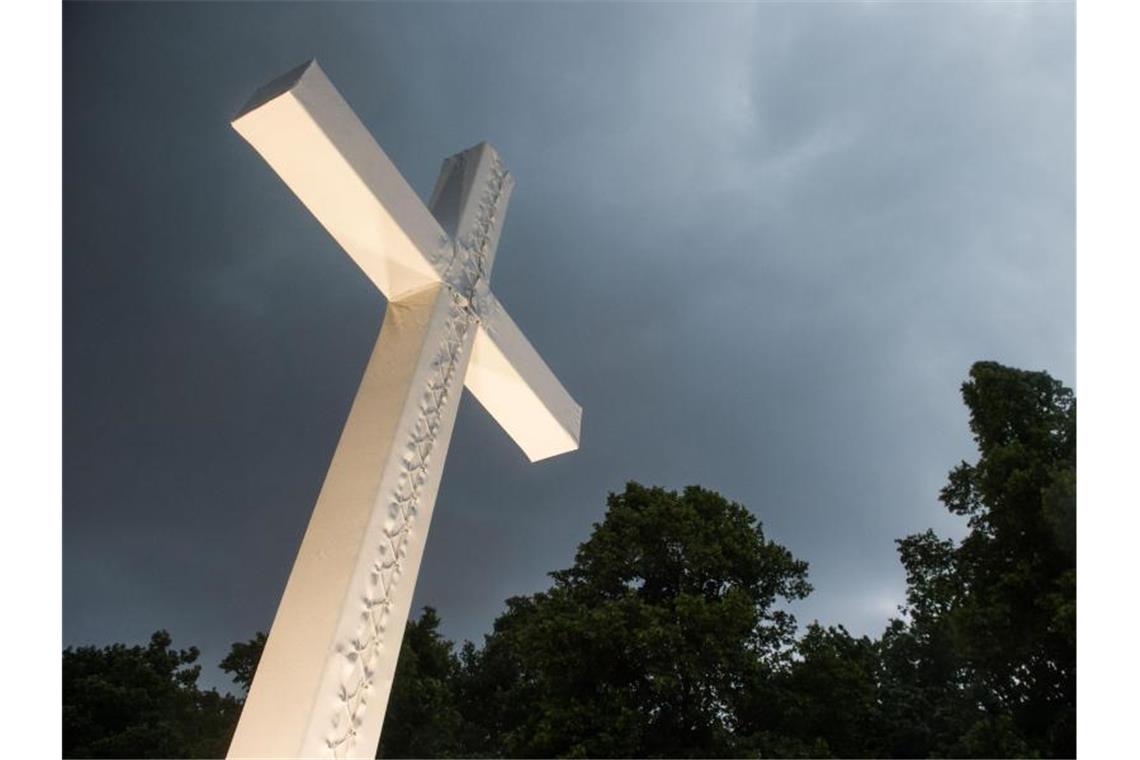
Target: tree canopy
[
  {"x": 669, "y": 636},
  {"x": 990, "y": 641},
  {"x": 142, "y": 701},
  {"x": 648, "y": 645}
]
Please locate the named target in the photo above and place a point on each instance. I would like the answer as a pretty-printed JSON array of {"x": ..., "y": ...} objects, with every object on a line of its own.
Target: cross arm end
[{"x": 518, "y": 389}]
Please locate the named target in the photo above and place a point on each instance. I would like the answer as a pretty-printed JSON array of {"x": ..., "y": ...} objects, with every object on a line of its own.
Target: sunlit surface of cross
[{"x": 322, "y": 685}]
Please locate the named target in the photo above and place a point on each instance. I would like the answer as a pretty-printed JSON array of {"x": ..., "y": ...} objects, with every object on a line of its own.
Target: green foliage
[
  {"x": 666, "y": 636},
  {"x": 121, "y": 701},
  {"x": 647, "y": 644},
  {"x": 831, "y": 693},
  {"x": 990, "y": 646},
  {"x": 241, "y": 662}
]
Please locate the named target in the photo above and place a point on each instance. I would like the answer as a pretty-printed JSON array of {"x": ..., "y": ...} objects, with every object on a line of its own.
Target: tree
[
  {"x": 647, "y": 645},
  {"x": 666, "y": 638},
  {"x": 989, "y": 650},
  {"x": 241, "y": 662},
  {"x": 829, "y": 696},
  {"x": 141, "y": 701},
  {"x": 923, "y": 690}
]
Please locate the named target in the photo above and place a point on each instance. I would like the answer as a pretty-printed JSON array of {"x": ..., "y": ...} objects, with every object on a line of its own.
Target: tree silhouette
[
  {"x": 241, "y": 662},
  {"x": 648, "y": 644},
  {"x": 988, "y": 654},
  {"x": 142, "y": 701},
  {"x": 666, "y": 636}
]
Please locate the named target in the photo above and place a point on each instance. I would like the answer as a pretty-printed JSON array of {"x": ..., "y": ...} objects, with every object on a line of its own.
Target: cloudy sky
[{"x": 760, "y": 244}]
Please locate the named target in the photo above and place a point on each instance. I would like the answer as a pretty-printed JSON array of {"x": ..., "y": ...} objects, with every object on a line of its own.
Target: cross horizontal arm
[
  {"x": 310, "y": 136},
  {"x": 305, "y": 130},
  {"x": 515, "y": 386}
]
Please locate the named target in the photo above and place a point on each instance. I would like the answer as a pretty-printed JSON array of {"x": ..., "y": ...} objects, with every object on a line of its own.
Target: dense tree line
[
  {"x": 668, "y": 637},
  {"x": 142, "y": 701}
]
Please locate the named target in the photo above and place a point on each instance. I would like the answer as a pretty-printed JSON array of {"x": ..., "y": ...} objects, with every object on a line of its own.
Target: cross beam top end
[
  {"x": 278, "y": 86},
  {"x": 470, "y": 203},
  {"x": 473, "y": 169}
]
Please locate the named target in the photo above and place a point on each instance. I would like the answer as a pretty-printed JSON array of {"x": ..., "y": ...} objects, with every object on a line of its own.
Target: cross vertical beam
[
  {"x": 338, "y": 628},
  {"x": 322, "y": 685}
]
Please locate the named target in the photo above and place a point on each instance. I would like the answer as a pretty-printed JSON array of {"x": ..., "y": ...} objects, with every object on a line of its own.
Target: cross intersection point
[{"x": 322, "y": 685}]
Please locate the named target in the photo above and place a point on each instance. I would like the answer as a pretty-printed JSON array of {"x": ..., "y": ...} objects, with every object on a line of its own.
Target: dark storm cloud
[{"x": 760, "y": 244}]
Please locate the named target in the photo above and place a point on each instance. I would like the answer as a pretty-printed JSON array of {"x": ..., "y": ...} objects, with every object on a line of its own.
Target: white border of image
[{"x": 1108, "y": 213}]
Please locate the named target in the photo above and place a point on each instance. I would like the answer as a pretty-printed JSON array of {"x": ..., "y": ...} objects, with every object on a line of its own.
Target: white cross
[{"x": 322, "y": 685}]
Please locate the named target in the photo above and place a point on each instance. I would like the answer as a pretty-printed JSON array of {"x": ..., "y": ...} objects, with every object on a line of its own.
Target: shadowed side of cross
[
  {"x": 305, "y": 130},
  {"x": 322, "y": 685}
]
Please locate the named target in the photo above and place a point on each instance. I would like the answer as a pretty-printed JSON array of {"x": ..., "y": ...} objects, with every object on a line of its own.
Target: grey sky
[{"x": 760, "y": 244}]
